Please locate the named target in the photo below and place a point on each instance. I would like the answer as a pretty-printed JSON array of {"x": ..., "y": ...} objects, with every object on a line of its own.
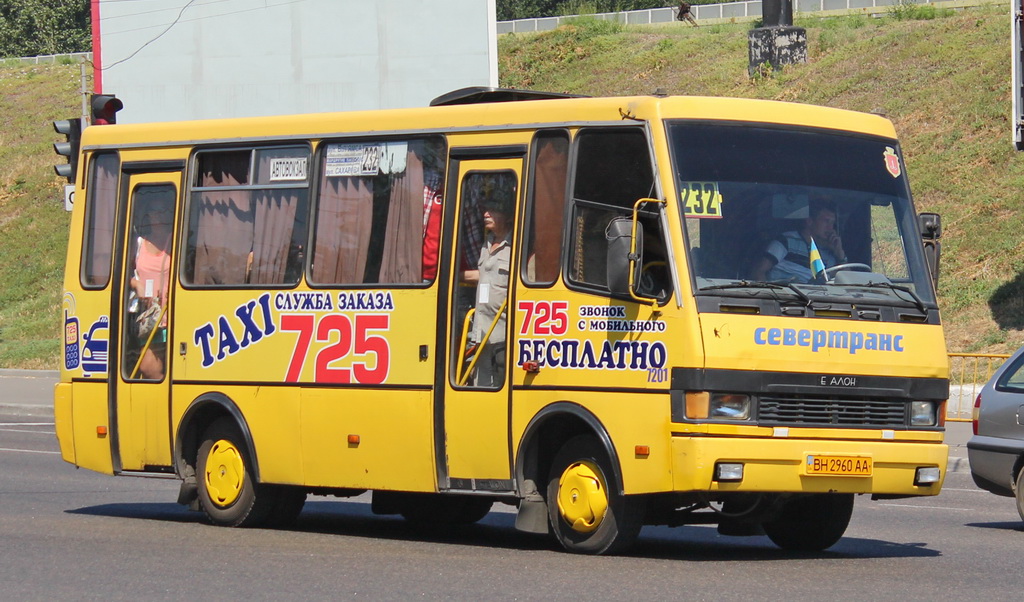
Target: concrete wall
[{"x": 179, "y": 59}]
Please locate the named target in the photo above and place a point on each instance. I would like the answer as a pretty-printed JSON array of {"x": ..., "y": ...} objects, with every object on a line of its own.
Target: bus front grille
[{"x": 798, "y": 410}]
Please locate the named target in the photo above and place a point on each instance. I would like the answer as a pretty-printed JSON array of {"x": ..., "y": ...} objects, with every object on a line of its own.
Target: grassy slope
[
  {"x": 33, "y": 223},
  {"x": 944, "y": 82}
]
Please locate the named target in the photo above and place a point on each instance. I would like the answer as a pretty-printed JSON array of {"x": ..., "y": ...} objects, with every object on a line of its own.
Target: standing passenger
[
  {"x": 149, "y": 282},
  {"x": 492, "y": 275}
]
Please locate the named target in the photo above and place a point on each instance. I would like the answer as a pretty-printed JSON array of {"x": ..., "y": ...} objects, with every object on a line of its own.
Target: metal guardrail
[
  {"x": 70, "y": 58},
  {"x": 730, "y": 12},
  {"x": 968, "y": 373}
]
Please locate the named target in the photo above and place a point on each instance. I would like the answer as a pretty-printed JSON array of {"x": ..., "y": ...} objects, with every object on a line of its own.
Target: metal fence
[
  {"x": 747, "y": 10},
  {"x": 71, "y": 58},
  {"x": 968, "y": 373}
]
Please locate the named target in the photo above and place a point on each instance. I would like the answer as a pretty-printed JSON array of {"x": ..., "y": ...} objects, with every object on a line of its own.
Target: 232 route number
[
  {"x": 701, "y": 199},
  {"x": 346, "y": 336}
]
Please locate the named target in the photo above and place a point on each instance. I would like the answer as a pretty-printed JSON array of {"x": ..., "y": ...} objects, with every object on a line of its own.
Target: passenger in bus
[
  {"x": 432, "y": 198},
  {"x": 788, "y": 257},
  {"x": 149, "y": 282},
  {"x": 491, "y": 276}
]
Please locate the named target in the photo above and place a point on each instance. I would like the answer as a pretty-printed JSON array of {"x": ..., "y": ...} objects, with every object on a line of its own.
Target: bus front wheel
[
  {"x": 811, "y": 523},
  {"x": 587, "y": 513},
  {"x": 227, "y": 493}
]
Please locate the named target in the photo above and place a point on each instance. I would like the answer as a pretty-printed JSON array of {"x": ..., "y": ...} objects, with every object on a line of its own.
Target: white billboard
[{"x": 198, "y": 59}]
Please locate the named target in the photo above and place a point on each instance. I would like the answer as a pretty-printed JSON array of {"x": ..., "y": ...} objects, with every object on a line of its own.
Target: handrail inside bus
[
  {"x": 149, "y": 341},
  {"x": 483, "y": 343},
  {"x": 462, "y": 341}
]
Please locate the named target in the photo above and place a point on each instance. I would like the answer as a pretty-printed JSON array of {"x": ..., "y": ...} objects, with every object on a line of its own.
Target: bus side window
[
  {"x": 546, "y": 207},
  {"x": 247, "y": 219},
  {"x": 378, "y": 212},
  {"x": 485, "y": 239},
  {"x": 149, "y": 267},
  {"x": 101, "y": 205},
  {"x": 613, "y": 170}
]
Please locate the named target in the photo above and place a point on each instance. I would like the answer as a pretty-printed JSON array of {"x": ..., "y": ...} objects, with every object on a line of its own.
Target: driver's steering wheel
[{"x": 860, "y": 267}]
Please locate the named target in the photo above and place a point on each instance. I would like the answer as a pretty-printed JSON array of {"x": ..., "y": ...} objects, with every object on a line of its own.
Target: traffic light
[
  {"x": 72, "y": 129},
  {"x": 105, "y": 108}
]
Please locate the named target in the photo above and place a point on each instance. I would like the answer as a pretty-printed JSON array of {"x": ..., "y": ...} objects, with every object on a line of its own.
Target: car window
[{"x": 1013, "y": 378}]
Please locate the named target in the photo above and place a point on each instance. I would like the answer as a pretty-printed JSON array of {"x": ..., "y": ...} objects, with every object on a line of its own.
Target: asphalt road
[{"x": 73, "y": 534}]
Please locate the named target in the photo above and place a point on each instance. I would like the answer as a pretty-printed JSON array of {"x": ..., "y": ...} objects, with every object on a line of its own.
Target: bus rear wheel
[
  {"x": 811, "y": 523},
  {"x": 227, "y": 493},
  {"x": 587, "y": 513}
]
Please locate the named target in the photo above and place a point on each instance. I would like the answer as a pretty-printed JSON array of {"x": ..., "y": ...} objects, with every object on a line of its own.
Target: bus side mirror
[
  {"x": 621, "y": 254},
  {"x": 931, "y": 231}
]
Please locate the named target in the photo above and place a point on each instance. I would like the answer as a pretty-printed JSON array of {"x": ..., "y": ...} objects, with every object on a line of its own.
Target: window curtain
[
  {"x": 402, "y": 261},
  {"x": 275, "y": 212},
  {"x": 224, "y": 225},
  {"x": 549, "y": 207},
  {"x": 343, "y": 227},
  {"x": 275, "y": 221}
]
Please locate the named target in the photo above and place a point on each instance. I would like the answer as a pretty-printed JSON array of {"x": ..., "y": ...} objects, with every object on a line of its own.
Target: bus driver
[{"x": 788, "y": 257}]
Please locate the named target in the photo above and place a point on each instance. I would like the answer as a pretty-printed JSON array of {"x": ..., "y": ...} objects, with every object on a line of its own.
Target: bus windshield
[{"x": 806, "y": 213}]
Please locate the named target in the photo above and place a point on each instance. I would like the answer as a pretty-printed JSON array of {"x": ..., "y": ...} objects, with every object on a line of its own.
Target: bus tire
[
  {"x": 811, "y": 523},
  {"x": 227, "y": 493},
  {"x": 587, "y": 513}
]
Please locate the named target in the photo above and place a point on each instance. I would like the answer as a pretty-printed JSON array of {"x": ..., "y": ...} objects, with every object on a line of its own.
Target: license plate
[{"x": 849, "y": 466}]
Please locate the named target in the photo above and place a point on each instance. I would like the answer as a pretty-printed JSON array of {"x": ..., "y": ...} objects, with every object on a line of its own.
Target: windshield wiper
[
  {"x": 774, "y": 286},
  {"x": 896, "y": 287}
]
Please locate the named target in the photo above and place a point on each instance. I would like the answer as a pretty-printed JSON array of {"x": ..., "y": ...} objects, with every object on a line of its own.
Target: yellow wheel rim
[
  {"x": 225, "y": 473},
  {"x": 582, "y": 497}
]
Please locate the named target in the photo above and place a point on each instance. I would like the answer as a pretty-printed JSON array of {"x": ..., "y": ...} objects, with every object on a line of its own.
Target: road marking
[
  {"x": 928, "y": 507},
  {"x": 30, "y": 432},
  {"x": 28, "y": 451},
  {"x": 26, "y": 424}
]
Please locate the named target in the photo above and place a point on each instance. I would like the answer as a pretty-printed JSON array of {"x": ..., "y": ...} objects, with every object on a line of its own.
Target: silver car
[{"x": 996, "y": 451}]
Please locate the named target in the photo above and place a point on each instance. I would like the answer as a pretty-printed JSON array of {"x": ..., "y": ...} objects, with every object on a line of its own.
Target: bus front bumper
[{"x": 792, "y": 465}]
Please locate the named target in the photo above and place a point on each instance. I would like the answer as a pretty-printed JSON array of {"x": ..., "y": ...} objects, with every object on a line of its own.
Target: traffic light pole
[{"x": 85, "y": 93}]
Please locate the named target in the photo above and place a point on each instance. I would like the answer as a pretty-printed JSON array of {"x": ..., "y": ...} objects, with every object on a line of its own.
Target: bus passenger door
[
  {"x": 141, "y": 404},
  {"x": 476, "y": 395}
]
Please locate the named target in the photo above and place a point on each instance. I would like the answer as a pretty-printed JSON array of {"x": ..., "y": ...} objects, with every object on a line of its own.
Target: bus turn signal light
[{"x": 697, "y": 404}]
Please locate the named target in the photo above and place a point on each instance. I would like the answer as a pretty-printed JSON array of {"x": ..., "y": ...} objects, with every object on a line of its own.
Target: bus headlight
[
  {"x": 730, "y": 406},
  {"x": 927, "y": 475},
  {"x": 922, "y": 413}
]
